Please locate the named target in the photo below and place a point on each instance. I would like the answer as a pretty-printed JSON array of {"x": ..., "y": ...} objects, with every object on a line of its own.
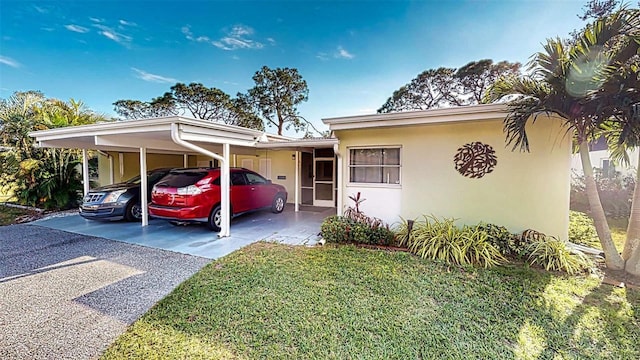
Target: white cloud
[
  {"x": 9, "y": 61},
  {"x": 322, "y": 56},
  {"x": 141, "y": 74},
  {"x": 41, "y": 10},
  {"x": 342, "y": 53},
  {"x": 96, "y": 20},
  {"x": 271, "y": 41},
  {"x": 76, "y": 28},
  {"x": 127, "y": 23},
  {"x": 186, "y": 30},
  {"x": 112, "y": 34},
  {"x": 238, "y": 37}
]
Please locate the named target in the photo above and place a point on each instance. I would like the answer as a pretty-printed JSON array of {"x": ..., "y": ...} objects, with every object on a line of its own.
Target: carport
[{"x": 176, "y": 135}]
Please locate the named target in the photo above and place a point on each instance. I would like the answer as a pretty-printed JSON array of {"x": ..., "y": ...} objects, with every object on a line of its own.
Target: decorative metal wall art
[{"x": 475, "y": 160}]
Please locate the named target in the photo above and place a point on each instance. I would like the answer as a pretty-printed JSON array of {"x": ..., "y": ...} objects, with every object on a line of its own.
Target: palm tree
[{"x": 570, "y": 81}]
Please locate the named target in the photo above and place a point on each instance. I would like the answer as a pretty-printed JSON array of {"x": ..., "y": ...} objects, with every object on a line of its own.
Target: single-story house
[{"x": 449, "y": 162}]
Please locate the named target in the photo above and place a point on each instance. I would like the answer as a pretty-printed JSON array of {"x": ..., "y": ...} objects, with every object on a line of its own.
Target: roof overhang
[
  {"x": 432, "y": 116},
  {"x": 298, "y": 144},
  {"x": 153, "y": 134}
]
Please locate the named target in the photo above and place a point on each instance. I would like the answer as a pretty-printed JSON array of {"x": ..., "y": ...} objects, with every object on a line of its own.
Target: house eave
[{"x": 432, "y": 116}]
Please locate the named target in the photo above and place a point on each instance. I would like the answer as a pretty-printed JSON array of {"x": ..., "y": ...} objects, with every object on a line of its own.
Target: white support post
[
  {"x": 185, "y": 160},
  {"x": 111, "y": 181},
  {"x": 85, "y": 171},
  {"x": 224, "y": 189},
  {"x": 339, "y": 181},
  {"x": 144, "y": 186},
  {"x": 121, "y": 165},
  {"x": 224, "y": 175},
  {"x": 296, "y": 205}
]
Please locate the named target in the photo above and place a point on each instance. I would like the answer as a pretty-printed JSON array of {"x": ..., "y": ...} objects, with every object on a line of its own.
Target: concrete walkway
[
  {"x": 289, "y": 227},
  {"x": 68, "y": 296}
]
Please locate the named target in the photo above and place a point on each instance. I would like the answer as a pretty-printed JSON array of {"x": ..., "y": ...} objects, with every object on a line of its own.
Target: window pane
[
  {"x": 391, "y": 175},
  {"x": 324, "y": 153},
  {"x": 366, "y": 174},
  {"x": 391, "y": 157},
  {"x": 255, "y": 179},
  {"x": 366, "y": 156},
  {"x": 324, "y": 170}
]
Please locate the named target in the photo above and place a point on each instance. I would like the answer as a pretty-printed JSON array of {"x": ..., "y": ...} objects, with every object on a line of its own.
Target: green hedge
[{"x": 339, "y": 229}]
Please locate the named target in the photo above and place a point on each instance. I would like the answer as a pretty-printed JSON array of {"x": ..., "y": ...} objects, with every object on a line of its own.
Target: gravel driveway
[{"x": 68, "y": 296}]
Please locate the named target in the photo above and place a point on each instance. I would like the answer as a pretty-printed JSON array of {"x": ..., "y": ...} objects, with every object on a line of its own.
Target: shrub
[
  {"x": 615, "y": 190},
  {"x": 404, "y": 234},
  {"x": 441, "y": 239},
  {"x": 553, "y": 254},
  {"x": 336, "y": 229},
  {"x": 581, "y": 230},
  {"x": 340, "y": 229},
  {"x": 509, "y": 244}
]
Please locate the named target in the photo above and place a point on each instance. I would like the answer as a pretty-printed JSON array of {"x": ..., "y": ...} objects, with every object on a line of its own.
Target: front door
[{"x": 323, "y": 182}]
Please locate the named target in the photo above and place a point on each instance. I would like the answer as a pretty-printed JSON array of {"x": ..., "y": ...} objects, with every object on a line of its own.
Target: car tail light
[{"x": 189, "y": 190}]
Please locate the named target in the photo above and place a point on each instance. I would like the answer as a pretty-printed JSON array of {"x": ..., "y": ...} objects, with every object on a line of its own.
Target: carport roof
[{"x": 155, "y": 135}]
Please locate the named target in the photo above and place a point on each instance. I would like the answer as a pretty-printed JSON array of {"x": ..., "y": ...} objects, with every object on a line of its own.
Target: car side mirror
[{"x": 269, "y": 182}]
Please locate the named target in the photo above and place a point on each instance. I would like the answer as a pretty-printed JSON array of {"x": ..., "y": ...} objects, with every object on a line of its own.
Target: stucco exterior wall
[
  {"x": 131, "y": 163},
  {"x": 525, "y": 190},
  {"x": 283, "y": 165}
]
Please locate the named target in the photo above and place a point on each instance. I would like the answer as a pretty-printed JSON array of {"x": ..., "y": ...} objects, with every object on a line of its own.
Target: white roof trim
[
  {"x": 298, "y": 143},
  {"x": 432, "y": 116},
  {"x": 133, "y": 126}
]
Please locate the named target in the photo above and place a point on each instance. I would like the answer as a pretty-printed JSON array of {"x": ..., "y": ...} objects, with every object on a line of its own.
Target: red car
[{"x": 193, "y": 195}]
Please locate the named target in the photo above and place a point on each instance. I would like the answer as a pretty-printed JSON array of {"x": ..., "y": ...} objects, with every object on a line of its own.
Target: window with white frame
[{"x": 374, "y": 165}]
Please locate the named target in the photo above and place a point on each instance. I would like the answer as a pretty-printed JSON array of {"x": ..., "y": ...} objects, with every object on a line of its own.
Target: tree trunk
[
  {"x": 612, "y": 258},
  {"x": 631, "y": 252}
]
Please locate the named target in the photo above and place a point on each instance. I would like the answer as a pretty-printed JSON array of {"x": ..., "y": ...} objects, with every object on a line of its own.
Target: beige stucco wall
[
  {"x": 525, "y": 190},
  {"x": 132, "y": 165},
  {"x": 283, "y": 164}
]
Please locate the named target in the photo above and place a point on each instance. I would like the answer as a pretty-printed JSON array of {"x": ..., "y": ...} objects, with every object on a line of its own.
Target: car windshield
[
  {"x": 151, "y": 177},
  {"x": 181, "y": 179}
]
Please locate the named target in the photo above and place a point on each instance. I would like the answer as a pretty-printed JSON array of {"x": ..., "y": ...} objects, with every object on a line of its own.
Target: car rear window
[{"x": 181, "y": 179}]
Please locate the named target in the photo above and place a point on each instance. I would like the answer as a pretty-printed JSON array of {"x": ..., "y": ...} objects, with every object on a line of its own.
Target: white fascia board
[
  {"x": 136, "y": 126},
  {"x": 433, "y": 116},
  {"x": 227, "y": 133},
  {"x": 134, "y": 143},
  {"x": 65, "y": 144},
  {"x": 210, "y": 139},
  {"x": 299, "y": 143}
]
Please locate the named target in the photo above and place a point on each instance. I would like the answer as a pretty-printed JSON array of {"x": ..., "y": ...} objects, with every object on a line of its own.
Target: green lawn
[
  {"x": 9, "y": 214},
  {"x": 275, "y": 301}
]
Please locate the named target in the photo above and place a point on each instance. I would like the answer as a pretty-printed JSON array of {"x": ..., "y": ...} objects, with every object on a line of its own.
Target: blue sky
[{"x": 353, "y": 55}]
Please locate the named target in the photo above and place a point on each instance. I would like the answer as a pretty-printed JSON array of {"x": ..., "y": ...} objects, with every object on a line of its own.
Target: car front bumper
[{"x": 103, "y": 212}]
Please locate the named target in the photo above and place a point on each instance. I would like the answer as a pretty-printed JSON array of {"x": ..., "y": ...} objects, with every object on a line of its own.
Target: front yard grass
[{"x": 276, "y": 301}]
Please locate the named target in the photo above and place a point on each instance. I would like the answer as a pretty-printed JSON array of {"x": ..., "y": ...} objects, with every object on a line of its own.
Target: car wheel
[
  {"x": 278, "y": 204},
  {"x": 133, "y": 212},
  {"x": 215, "y": 219}
]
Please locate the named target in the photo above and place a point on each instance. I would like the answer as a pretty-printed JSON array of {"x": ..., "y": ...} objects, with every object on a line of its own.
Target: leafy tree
[
  {"x": 275, "y": 97},
  {"x": 444, "y": 87},
  {"x": 194, "y": 99},
  {"x": 202, "y": 102},
  {"x": 476, "y": 77},
  {"x": 430, "y": 89},
  {"x": 574, "y": 82},
  {"x": 40, "y": 177}
]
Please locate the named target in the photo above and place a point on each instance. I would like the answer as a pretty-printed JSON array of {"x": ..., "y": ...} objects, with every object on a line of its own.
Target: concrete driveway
[
  {"x": 289, "y": 227},
  {"x": 68, "y": 296}
]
